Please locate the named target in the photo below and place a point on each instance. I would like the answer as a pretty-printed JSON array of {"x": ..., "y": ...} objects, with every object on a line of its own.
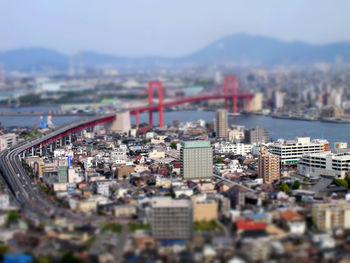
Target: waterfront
[{"x": 278, "y": 128}]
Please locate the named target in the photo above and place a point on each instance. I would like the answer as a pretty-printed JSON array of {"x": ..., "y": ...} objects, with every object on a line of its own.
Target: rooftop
[
  {"x": 196, "y": 144},
  {"x": 159, "y": 202}
]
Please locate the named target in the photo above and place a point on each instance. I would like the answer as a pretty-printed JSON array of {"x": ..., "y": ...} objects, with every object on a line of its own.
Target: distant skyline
[{"x": 165, "y": 28}]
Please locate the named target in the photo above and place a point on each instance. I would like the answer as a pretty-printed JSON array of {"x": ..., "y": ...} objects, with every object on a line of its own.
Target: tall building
[
  {"x": 221, "y": 123},
  {"x": 257, "y": 102},
  {"x": 256, "y": 135},
  {"x": 290, "y": 151},
  {"x": 278, "y": 99},
  {"x": 328, "y": 216},
  {"x": 171, "y": 218},
  {"x": 269, "y": 166},
  {"x": 62, "y": 172},
  {"x": 196, "y": 160},
  {"x": 121, "y": 124}
]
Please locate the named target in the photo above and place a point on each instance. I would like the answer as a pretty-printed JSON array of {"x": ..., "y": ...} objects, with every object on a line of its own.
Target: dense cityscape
[{"x": 168, "y": 135}]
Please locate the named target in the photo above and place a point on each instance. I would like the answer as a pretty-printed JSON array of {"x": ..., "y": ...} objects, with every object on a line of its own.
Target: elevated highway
[{"x": 26, "y": 192}]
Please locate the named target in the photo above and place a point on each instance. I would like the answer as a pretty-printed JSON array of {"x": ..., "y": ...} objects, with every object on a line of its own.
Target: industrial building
[{"x": 328, "y": 163}]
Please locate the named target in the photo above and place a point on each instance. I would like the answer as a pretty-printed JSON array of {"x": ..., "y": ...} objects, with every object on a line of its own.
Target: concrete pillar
[
  {"x": 32, "y": 151},
  {"x": 40, "y": 150}
]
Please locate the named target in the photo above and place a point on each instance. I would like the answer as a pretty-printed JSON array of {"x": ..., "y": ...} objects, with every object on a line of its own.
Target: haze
[{"x": 164, "y": 28}]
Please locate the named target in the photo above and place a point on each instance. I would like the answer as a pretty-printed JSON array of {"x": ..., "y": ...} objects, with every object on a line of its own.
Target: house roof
[
  {"x": 289, "y": 215},
  {"x": 249, "y": 224}
]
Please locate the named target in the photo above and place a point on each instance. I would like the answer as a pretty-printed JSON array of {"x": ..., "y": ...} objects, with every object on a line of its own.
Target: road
[{"x": 32, "y": 200}]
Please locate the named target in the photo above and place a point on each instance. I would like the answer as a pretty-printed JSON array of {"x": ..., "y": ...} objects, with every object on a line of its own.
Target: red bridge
[{"x": 234, "y": 96}]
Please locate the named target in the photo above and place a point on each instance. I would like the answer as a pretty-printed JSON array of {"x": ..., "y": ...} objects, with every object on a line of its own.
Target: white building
[
  {"x": 7, "y": 140},
  {"x": 4, "y": 200},
  {"x": 236, "y": 133},
  {"x": 102, "y": 188},
  {"x": 279, "y": 99},
  {"x": 235, "y": 148},
  {"x": 290, "y": 151},
  {"x": 73, "y": 176},
  {"x": 326, "y": 163}
]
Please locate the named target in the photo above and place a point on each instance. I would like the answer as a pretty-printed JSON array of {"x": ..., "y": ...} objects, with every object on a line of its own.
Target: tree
[
  {"x": 342, "y": 182},
  {"x": 12, "y": 217},
  {"x": 347, "y": 178},
  {"x": 284, "y": 187},
  {"x": 305, "y": 179},
  {"x": 173, "y": 145},
  {"x": 296, "y": 185},
  {"x": 145, "y": 141},
  {"x": 220, "y": 160},
  {"x": 69, "y": 257}
]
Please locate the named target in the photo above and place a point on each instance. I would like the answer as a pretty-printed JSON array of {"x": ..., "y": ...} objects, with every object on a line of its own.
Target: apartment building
[
  {"x": 196, "y": 160},
  {"x": 256, "y": 135},
  {"x": 171, "y": 218},
  {"x": 7, "y": 140},
  {"x": 328, "y": 216},
  {"x": 290, "y": 151},
  {"x": 269, "y": 166},
  {"x": 234, "y": 148},
  {"x": 221, "y": 123}
]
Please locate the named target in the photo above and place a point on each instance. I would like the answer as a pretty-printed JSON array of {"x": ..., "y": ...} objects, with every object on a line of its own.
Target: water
[
  {"x": 278, "y": 128},
  {"x": 31, "y": 121}
]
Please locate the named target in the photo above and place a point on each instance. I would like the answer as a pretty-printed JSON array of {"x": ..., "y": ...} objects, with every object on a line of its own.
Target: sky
[{"x": 165, "y": 27}]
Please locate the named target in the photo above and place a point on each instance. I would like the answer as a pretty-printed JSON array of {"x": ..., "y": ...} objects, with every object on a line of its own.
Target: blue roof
[
  {"x": 258, "y": 215},
  {"x": 17, "y": 258}
]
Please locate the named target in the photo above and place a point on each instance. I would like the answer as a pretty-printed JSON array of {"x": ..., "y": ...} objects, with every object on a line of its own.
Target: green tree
[
  {"x": 44, "y": 260},
  {"x": 220, "y": 160},
  {"x": 12, "y": 217},
  {"x": 342, "y": 182},
  {"x": 3, "y": 250},
  {"x": 347, "y": 179},
  {"x": 284, "y": 187},
  {"x": 113, "y": 227},
  {"x": 173, "y": 145},
  {"x": 296, "y": 185},
  {"x": 305, "y": 179},
  {"x": 69, "y": 257},
  {"x": 145, "y": 141}
]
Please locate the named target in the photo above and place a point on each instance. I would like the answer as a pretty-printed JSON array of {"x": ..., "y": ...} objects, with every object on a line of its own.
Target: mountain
[
  {"x": 268, "y": 51},
  {"x": 237, "y": 48},
  {"x": 27, "y": 59}
]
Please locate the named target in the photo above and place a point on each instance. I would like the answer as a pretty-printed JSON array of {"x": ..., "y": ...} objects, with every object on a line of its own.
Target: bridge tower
[
  {"x": 159, "y": 85},
  {"x": 231, "y": 79}
]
